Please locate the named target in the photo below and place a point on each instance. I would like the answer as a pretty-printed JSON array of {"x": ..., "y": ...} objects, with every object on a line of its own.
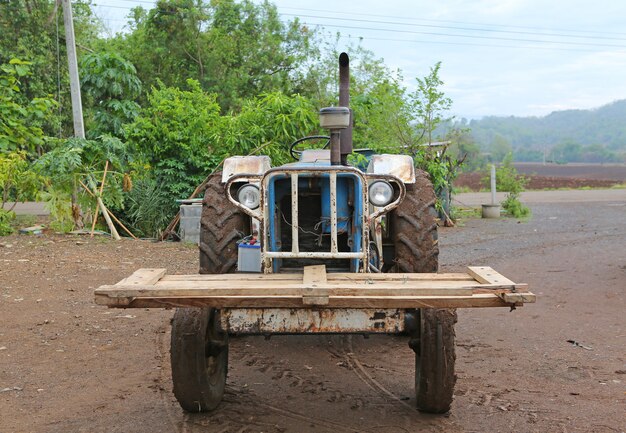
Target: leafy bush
[
  {"x": 509, "y": 180},
  {"x": 148, "y": 209},
  {"x": 174, "y": 135},
  {"x": 6, "y": 217},
  {"x": 18, "y": 182},
  {"x": 514, "y": 207}
]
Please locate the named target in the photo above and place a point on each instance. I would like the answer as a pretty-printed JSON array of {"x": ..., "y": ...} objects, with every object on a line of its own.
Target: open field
[
  {"x": 67, "y": 365},
  {"x": 554, "y": 176}
]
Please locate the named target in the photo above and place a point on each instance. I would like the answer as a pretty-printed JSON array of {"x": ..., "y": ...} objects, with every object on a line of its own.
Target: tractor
[{"x": 316, "y": 246}]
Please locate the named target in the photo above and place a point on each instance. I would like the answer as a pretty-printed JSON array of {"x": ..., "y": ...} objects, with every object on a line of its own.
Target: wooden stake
[{"x": 110, "y": 213}]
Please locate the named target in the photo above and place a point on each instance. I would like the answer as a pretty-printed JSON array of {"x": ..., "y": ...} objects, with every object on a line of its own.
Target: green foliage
[
  {"x": 509, "y": 180},
  {"x": 273, "y": 120},
  {"x": 235, "y": 49},
  {"x": 29, "y": 32},
  {"x": 20, "y": 123},
  {"x": 148, "y": 208},
  {"x": 110, "y": 83},
  {"x": 59, "y": 204},
  {"x": 507, "y": 177},
  {"x": 75, "y": 160},
  {"x": 514, "y": 207},
  {"x": 6, "y": 217},
  {"x": 174, "y": 134},
  {"x": 17, "y": 181}
]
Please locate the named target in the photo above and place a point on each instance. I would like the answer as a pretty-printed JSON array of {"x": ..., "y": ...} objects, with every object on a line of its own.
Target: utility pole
[{"x": 77, "y": 105}]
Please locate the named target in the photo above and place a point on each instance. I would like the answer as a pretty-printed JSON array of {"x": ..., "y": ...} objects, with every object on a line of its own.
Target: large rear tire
[
  {"x": 221, "y": 226},
  {"x": 414, "y": 231}
]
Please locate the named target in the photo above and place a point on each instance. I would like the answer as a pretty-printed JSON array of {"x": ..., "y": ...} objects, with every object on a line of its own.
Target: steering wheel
[{"x": 295, "y": 153}]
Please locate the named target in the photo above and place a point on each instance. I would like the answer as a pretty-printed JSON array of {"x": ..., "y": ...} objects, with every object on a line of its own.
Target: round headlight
[
  {"x": 380, "y": 193},
  {"x": 249, "y": 196}
]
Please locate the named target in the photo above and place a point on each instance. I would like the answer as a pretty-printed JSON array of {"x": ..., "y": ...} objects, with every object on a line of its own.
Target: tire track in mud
[
  {"x": 162, "y": 352},
  {"x": 355, "y": 365},
  {"x": 234, "y": 396}
]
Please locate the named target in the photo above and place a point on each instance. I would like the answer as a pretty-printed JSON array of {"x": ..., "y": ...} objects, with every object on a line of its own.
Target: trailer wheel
[
  {"x": 199, "y": 357},
  {"x": 221, "y": 226},
  {"x": 414, "y": 231}
]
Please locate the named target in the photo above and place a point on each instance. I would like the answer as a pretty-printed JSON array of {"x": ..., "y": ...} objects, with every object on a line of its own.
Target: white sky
[{"x": 490, "y": 62}]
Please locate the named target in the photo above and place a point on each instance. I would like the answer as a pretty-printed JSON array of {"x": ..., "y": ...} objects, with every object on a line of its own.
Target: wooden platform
[{"x": 479, "y": 287}]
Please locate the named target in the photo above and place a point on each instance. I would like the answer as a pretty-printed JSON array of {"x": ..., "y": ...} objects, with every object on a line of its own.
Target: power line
[
  {"x": 453, "y": 27},
  {"x": 468, "y": 44},
  {"x": 415, "y": 32},
  {"x": 456, "y": 22},
  {"x": 351, "y": 14},
  {"x": 453, "y": 35}
]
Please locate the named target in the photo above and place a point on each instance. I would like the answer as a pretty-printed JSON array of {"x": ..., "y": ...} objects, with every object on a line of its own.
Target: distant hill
[{"x": 594, "y": 135}]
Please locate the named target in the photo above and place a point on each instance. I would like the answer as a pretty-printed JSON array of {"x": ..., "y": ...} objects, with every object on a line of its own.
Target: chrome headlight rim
[
  {"x": 374, "y": 193},
  {"x": 256, "y": 194}
]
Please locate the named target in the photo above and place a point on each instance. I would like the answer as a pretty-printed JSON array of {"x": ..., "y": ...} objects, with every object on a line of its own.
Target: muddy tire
[
  {"x": 199, "y": 358},
  {"x": 414, "y": 231},
  {"x": 221, "y": 226},
  {"x": 434, "y": 360},
  {"x": 199, "y": 350},
  {"x": 414, "y": 228}
]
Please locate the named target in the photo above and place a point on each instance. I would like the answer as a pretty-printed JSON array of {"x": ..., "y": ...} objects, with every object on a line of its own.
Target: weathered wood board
[{"x": 480, "y": 287}]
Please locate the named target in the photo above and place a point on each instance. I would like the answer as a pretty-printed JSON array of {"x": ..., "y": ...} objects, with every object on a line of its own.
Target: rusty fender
[{"x": 246, "y": 321}]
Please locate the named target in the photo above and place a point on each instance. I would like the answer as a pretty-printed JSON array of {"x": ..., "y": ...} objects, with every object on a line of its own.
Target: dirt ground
[
  {"x": 67, "y": 365},
  {"x": 555, "y": 176}
]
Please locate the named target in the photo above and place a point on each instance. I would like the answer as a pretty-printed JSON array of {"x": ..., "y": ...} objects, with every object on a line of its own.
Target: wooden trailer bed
[{"x": 480, "y": 286}]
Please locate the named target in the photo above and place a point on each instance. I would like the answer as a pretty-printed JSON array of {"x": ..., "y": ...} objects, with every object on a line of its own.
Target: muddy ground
[{"x": 67, "y": 365}]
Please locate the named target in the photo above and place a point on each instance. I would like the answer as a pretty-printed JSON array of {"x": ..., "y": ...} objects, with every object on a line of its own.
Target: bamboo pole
[{"x": 110, "y": 213}]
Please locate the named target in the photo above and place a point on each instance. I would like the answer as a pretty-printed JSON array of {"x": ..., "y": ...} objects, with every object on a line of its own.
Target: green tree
[
  {"x": 33, "y": 30},
  {"x": 235, "y": 49},
  {"x": 272, "y": 120},
  {"x": 174, "y": 135},
  {"x": 20, "y": 123},
  {"x": 111, "y": 85}
]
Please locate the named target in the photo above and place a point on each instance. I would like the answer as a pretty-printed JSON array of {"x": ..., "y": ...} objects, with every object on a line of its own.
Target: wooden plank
[
  {"x": 282, "y": 290},
  {"x": 290, "y": 284},
  {"x": 487, "y": 275},
  {"x": 474, "y": 301},
  {"x": 519, "y": 297},
  {"x": 315, "y": 290},
  {"x": 144, "y": 277},
  {"x": 314, "y": 275},
  {"x": 342, "y": 276},
  {"x": 481, "y": 287}
]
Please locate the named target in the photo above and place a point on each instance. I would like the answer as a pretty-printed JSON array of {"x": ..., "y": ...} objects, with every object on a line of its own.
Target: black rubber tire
[
  {"x": 434, "y": 360},
  {"x": 414, "y": 231},
  {"x": 222, "y": 224},
  {"x": 414, "y": 228},
  {"x": 199, "y": 358},
  {"x": 199, "y": 364}
]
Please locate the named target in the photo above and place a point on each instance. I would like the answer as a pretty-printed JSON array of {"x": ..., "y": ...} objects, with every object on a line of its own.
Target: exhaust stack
[{"x": 345, "y": 139}]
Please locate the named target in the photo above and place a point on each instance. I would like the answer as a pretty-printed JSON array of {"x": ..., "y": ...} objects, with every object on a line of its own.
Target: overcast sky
[{"x": 499, "y": 57}]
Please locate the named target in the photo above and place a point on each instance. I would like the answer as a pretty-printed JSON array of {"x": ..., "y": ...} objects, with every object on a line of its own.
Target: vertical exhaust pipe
[{"x": 345, "y": 139}]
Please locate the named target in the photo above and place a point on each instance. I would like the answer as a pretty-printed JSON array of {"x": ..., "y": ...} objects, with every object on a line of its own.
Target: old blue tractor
[
  {"x": 316, "y": 246},
  {"x": 319, "y": 210}
]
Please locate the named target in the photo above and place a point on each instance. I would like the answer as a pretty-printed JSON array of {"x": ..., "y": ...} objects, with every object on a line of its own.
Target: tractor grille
[{"x": 328, "y": 174}]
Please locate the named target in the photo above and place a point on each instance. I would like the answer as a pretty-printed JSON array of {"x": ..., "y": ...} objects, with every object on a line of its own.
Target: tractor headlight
[
  {"x": 380, "y": 193},
  {"x": 249, "y": 196}
]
